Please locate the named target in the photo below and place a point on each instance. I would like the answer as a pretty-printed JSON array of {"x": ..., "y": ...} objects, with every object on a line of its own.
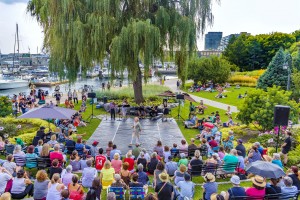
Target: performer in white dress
[
  {"x": 124, "y": 108},
  {"x": 137, "y": 128}
]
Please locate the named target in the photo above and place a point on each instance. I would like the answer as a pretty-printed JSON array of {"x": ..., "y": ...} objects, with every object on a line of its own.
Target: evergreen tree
[
  {"x": 275, "y": 74},
  {"x": 296, "y": 62}
]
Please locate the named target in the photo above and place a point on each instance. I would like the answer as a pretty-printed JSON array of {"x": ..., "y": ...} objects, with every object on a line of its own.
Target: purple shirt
[{"x": 67, "y": 179}]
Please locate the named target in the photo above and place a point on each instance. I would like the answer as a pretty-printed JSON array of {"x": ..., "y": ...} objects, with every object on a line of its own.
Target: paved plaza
[{"x": 120, "y": 132}]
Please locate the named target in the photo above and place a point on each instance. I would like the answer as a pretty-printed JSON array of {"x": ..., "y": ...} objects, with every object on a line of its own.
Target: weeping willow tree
[{"x": 79, "y": 33}]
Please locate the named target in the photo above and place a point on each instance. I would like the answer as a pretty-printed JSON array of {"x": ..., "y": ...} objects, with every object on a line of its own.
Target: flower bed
[{"x": 24, "y": 129}]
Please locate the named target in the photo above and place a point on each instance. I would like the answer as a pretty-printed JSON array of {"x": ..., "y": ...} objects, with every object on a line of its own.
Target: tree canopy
[
  {"x": 212, "y": 68},
  {"x": 80, "y": 33},
  {"x": 258, "y": 107},
  {"x": 250, "y": 52}
]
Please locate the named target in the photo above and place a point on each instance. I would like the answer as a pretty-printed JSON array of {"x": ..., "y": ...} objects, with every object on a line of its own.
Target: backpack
[{"x": 76, "y": 195}]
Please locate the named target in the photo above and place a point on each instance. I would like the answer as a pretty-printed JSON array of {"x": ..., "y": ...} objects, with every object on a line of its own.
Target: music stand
[{"x": 92, "y": 116}]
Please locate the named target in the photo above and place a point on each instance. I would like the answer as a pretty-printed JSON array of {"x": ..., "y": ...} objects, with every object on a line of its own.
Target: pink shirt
[
  {"x": 221, "y": 155},
  {"x": 56, "y": 155},
  {"x": 116, "y": 164},
  {"x": 253, "y": 192}
]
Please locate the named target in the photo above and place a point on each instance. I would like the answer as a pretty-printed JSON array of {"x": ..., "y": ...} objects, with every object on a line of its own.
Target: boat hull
[{"x": 12, "y": 84}]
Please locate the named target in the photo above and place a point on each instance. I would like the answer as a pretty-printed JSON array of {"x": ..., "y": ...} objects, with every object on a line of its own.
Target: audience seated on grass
[
  {"x": 171, "y": 166},
  {"x": 160, "y": 168},
  {"x": 130, "y": 176}
]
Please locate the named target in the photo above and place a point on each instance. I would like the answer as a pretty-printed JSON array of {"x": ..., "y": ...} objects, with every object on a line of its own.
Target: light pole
[{"x": 288, "y": 68}]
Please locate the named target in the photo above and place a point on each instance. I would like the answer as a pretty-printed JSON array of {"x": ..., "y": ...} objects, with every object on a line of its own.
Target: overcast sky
[{"x": 231, "y": 16}]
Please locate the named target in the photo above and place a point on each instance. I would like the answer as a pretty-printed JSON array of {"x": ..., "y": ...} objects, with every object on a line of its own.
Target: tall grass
[
  {"x": 243, "y": 80},
  {"x": 149, "y": 91},
  {"x": 246, "y": 78},
  {"x": 255, "y": 74}
]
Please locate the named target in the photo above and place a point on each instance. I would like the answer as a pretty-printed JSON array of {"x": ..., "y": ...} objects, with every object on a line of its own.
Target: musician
[
  {"x": 141, "y": 111},
  {"x": 124, "y": 108},
  {"x": 112, "y": 107},
  {"x": 153, "y": 112}
]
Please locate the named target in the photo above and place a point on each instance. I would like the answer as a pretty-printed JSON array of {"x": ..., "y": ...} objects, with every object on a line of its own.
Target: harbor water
[{"x": 95, "y": 83}]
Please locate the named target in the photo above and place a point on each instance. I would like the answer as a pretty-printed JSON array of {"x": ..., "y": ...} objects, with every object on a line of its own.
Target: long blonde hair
[
  {"x": 55, "y": 178},
  {"x": 45, "y": 150},
  {"x": 107, "y": 164},
  {"x": 53, "y": 137}
]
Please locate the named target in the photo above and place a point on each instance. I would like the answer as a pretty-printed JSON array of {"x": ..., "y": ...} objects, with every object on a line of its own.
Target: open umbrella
[
  {"x": 167, "y": 93},
  {"x": 208, "y": 124},
  {"x": 188, "y": 97},
  {"x": 49, "y": 112},
  {"x": 265, "y": 169}
]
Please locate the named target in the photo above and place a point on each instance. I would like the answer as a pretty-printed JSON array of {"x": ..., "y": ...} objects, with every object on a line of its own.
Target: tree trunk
[{"x": 138, "y": 88}]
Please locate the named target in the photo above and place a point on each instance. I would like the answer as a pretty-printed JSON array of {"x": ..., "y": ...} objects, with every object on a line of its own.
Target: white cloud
[
  {"x": 30, "y": 33},
  {"x": 13, "y": 1}
]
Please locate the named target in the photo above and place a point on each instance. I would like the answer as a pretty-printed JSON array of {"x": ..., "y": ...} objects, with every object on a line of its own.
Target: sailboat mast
[{"x": 16, "y": 43}]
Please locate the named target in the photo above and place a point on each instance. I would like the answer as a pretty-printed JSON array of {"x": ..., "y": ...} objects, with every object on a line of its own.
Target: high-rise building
[
  {"x": 225, "y": 40},
  {"x": 212, "y": 40}
]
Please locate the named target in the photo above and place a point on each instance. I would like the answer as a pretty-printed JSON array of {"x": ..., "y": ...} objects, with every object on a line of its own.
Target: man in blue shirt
[
  {"x": 236, "y": 190},
  {"x": 259, "y": 148},
  {"x": 112, "y": 152},
  {"x": 187, "y": 188}
]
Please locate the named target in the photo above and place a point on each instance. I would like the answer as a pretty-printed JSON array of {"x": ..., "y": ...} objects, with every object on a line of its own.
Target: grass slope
[{"x": 232, "y": 95}]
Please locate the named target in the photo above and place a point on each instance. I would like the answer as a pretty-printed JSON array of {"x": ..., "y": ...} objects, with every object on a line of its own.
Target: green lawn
[
  {"x": 92, "y": 124},
  {"x": 232, "y": 95},
  {"x": 188, "y": 133},
  {"x": 184, "y": 112}
]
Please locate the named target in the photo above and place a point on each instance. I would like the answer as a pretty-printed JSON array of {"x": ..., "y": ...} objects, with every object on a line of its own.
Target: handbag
[{"x": 76, "y": 195}]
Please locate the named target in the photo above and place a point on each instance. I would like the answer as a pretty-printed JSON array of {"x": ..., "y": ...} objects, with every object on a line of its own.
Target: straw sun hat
[
  {"x": 209, "y": 177},
  {"x": 259, "y": 181},
  {"x": 164, "y": 177}
]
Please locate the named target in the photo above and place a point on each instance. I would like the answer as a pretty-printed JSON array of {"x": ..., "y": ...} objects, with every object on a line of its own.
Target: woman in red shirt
[{"x": 130, "y": 161}]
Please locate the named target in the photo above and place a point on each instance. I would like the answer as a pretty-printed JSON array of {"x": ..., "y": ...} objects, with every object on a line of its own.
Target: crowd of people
[
  {"x": 214, "y": 117},
  {"x": 80, "y": 171},
  {"x": 104, "y": 167}
]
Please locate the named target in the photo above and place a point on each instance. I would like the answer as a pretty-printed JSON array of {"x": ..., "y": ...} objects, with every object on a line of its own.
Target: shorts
[{"x": 285, "y": 151}]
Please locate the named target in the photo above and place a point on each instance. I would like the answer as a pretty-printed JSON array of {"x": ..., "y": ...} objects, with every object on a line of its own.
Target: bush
[
  {"x": 28, "y": 129},
  {"x": 26, "y": 137},
  {"x": 8, "y": 129},
  {"x": 258, "y": 107},
  {"x": 5, "y": 106}
]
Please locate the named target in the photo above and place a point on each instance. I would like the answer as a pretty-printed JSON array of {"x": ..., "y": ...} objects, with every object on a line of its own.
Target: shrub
[
  {"x": 9, "y": 129},
  {"x": 26, "y": 137},
  {"x": 28, "y": 129},
  {"x": 5, "y": 106}
]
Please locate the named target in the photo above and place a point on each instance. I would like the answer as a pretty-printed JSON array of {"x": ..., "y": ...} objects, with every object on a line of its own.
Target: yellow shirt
[{"x": 108, "y": 174}]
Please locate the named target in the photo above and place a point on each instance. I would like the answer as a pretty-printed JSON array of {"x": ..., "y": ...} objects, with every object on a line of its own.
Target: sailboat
[{"x": 10, "y": 82}]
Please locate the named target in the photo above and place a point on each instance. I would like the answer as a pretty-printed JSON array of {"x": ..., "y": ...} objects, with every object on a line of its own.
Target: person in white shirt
[{"x": 75, "y": 97}]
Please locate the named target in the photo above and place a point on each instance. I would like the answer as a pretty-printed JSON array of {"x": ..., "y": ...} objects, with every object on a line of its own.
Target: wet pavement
[{"x": 120, "y": 132}]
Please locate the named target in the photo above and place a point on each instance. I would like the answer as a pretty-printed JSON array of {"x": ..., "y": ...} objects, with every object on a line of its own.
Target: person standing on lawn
[{"x": 286, "y": 146}]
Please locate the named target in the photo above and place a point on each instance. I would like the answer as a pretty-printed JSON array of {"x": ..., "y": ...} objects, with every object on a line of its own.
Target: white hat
[{"x": 235, "y": 180}]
